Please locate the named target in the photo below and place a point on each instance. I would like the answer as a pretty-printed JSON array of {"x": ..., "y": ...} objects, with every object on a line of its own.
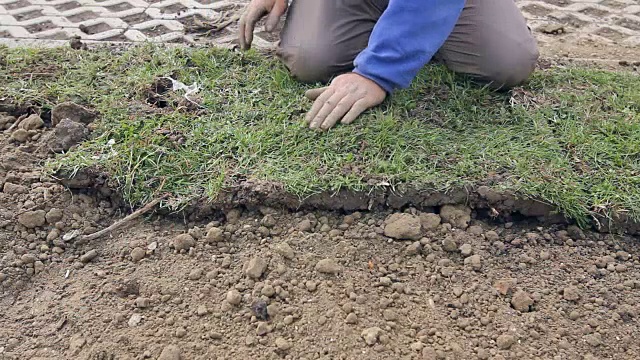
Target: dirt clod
[
  {"x": 138, "y": 254},
  {"x": 328, "y": 266},
  {"x": 20, "y": 135},
  {"x": 234, "y": 297},
  {"x": 71, "y": 111},
  {"x": 282, "y": 344},
  {"x": 571, "y": 293},
  {"x": 430, "y": 221},
  {"x": 284, "y": 250},
  {"x": 183, "y": 242},
  {"x": 456, "y": 215},
  {"x": 171, "y": 352},
  {"x": 505, "y": 341},
  {"x": 88, "y": 256},
  {"x": 403, "y": 227},
  {"x": 475, "y": 261},
  {"x": 256, "y": 267},
  {"x": 371, "y": 335},
  {"x": 67, "y": 134},
  {"x": 33, "y": 122},
  {"x": 521, "y": 301},
  {"x": 32, "y": 219}
]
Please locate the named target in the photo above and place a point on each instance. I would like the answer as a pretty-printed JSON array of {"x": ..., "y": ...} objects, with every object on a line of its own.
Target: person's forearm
[{"x": 405, "y": 38}]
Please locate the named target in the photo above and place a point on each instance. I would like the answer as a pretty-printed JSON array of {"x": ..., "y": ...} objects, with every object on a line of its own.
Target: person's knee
[
  {"x": 310, "y": 63},
  {"x": 510, "y": 69}
]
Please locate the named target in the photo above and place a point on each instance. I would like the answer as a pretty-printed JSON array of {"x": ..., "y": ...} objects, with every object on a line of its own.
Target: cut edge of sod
[{"x": 570, "y": 137}]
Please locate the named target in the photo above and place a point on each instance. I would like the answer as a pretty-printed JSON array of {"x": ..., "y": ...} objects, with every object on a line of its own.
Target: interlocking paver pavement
[{"x": 55, "y": 21}]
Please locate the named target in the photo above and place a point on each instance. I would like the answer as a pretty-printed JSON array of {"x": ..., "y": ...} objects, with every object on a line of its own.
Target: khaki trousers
[{"x": 491, "y": 40}]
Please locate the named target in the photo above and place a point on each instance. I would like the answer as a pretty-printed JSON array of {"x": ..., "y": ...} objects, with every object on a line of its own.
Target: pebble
[
  {"x": 202, "y": 310},
  {"x": 181, "y": 332},
  {"x": 32, "y": 219},
  {"x": 456, "y": 215},
  {"x": 521, "y": 301},
  {"x": 282, "y": 344},
  {"x": 20, "y": 135},
  {"x": 402, "y": 226},
  {"x": 183, "y": 242},
  {"x": 571, "y": 293},
  {"x": 263, "y": 329},
  {"x": 371, "y": 335},
  {"x": 449, "y": 245},
  {"x": 268, "y": 291},
  {"x": 352, "y": 318},
  {"x": 88, "y": 256},
  {"x": 134, "y": 320},
  {"x": 545, "y": 255},
  {"x": 195, "y": 274},
  {"x": 390, "y": 315},
  {"x": 215, "y": 235},
  {"x": 137, "y": 254},
  {"x": 328, "y": 266},
  {"x": 285, "y": 250},
  {"x": 54, "y": 215},
  {"x": 492, "y": 236},
  {"x": 505, "y": 341},
  {"x": 28, "y": 258},
  {"x": 311, "y": 285},
  {"x": 234, "y": 297},
  {"x": 143, "y": 302},
  {"x": 304, "y": 225},
  {"x": 255, "y": 268},
  {"x": 574, "y": 315},
  {"x": 475, "y": 261},
  {"x": 466, "y": 249},
  {"x": 594, "y": 339},
  {"x": 288, "y": 320},
  {"x": 413, "y": 249}
]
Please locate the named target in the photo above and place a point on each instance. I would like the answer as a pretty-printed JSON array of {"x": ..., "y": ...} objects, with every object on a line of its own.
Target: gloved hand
[
  {"x": 348, "y": 96},
  {"x": 256, "y": 10}
]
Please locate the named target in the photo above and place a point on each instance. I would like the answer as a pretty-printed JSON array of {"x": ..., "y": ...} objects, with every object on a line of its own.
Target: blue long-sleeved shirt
[{"x": 405, "y": 38}]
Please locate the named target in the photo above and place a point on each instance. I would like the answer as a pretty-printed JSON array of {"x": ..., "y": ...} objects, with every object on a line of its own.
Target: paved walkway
[{"x": 52, "y": 22}]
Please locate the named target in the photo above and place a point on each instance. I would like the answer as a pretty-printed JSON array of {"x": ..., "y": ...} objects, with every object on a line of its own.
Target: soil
[{"x": 248, "y": 281}]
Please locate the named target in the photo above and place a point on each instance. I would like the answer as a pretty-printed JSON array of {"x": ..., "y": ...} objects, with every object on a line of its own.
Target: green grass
[{"x": 570, "y": 137}]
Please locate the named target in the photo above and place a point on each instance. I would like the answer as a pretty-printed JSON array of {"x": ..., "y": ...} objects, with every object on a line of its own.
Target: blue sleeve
[{"x": 405, "y": 38}]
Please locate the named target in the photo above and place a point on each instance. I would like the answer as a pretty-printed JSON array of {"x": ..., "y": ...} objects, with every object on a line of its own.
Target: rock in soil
[
  {"x": 20, "y": 135},
  {"x": 571, "y": 293},
  {"x": 284, "y": 250},
  {"x": 138, "y": 254},
  {"x": 328, "y": 266},
  {"x": 521, "y": 301},
  {"x": 215, "y": 235},
  {"x": 66, "y": 135},
  {"x": 430, "y": 221},
  {"x": 32, "y": 219},
  {"x": 183, "y": 242},
  {"x": 456, "y": 215},
  {"x": 170, "y": 352},
  {"x": 234, "y": 297},
  {"x": 73, "y": 112},
  {"x": 371, "y": 335},
  {"x": 256, "y": 267},
  {"x": 505, "y": 341},
  {"x": 403, "y": 227},
  {"x": 88, "y": 256},
  {"x": 282, "y": 344},
  {"x": 33, "y": 122}
]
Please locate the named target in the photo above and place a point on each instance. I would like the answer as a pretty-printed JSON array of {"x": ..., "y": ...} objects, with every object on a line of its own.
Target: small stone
[
  {"x": 475, "y": 261},
  {"x": 138, "y": 254},
  {"x": 183, "y": 242},
  {"x": 621, "y": 268},
  {"x": 521, "y": 301},
  {"x": 413, "y": 249},
  {"x": 466, "y": 250},
  {"x": 574, "y": 315},
  {"x": 181, "y": 332},
  {"x": 505, "y": 341},
  {"x": 385, "y": 281},
  {"x": 215, "y": 235},
  {"x": 475, "y": 230},
  {"x": 20, "y": 135},
  {"x": 416, "y": 346},
  {"x": 288, "y": 320},
  {"x": 88, "y": 256},
  {"x": 571, "y": 293},
  {"x": 449, "y": 245},
  {"x": 594, "y": 339},
  {"x": 492, "y": 236},
  {"x": 268, "y": 291},
  {"x": 371, "y": 335},
  {"x": 202, "y": 310},
  {"x": 73, "y": 112},
  {"x": 134, "y": 320},
  {"x": 604, "y": 261},
  {"x": 403, "y": 227},
  {"x": 53, "y": 216},
  {"x": 456, "y": 215},
  {"x": 430, "y": 221},
  {"x": 285, "y": 250},
  {"x": 32, "y": 219},
  {"x": 28, "y": 258},
  {"x": 195, "y": 274},
  {"x": 328, "y": 266},
  {"x": 390, "y": 315},
  {"x": 545, "y": 255},
  {"x": 234, "y": 297},
  {"x": 33, "y": 122},
  {"x": 311, "y": 285},
  {"x": 11, "y": 188},
  {"x": 504, "y": 286},
  {"x": 143, "y": 302},
  {"x": 322, "y": 320},
  {"x": 305, "y": 225},
  {"x": 255, "y": 268},
  {"x": 260, "y": 310},
  {"x": 575, "y": 232},
  {"x": 263, "y": 329},
  {"x": 429, "y": 353},
  {"x": 352, "y": 318},
  {"x": 282, "y": 344}
]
